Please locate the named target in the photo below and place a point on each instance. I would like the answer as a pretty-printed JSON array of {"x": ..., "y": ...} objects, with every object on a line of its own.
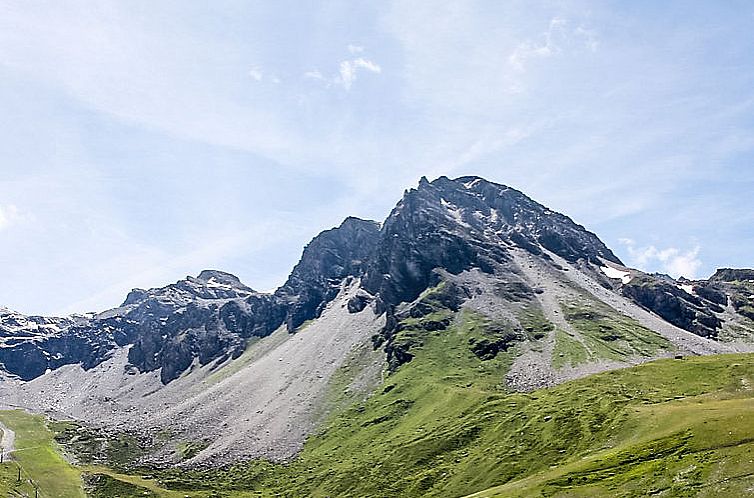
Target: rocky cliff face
[
  {"x": 467, "y": 223},
  {"x": 701, "y": 306},
  {"x": 203, "y": 319},
  {"x": 31, "y": 345},
  {"x": 330, "y": 257}
]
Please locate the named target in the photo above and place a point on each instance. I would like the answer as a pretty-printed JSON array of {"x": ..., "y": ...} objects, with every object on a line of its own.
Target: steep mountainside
[
  {"x": 328, "y": 259},
  {"x": 467, "y": 284}
]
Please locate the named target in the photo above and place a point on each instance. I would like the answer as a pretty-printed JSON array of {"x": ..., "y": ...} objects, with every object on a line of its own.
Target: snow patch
[
  {"x": 212, "y": 282},
  {"x": 688, "y": 288},
  {"x": 751, "y": 297},
  {"x": 472, "y": 183},
  {"x": 615, "y": 273},
  {"x": 455, "y": 212},
  {"x": 494, "y": 216}
]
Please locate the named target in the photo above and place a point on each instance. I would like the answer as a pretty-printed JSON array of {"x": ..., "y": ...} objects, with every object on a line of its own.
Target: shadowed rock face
[
  {"x": 675, "y": 305},
  {"x": 202, "y": 318},
  {"x": 329, "y": 258},
  {"x": 738, "y": 285},
  {"x": 699, "y": 310}
]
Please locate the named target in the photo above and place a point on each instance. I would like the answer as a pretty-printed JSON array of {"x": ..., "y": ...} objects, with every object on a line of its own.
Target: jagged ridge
[{"x": 449, "y": 225}]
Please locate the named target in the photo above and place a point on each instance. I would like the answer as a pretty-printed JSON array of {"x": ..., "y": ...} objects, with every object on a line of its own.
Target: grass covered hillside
[
  {"x": 444, "y": 425},
  {"x": 40, "y": 462}
]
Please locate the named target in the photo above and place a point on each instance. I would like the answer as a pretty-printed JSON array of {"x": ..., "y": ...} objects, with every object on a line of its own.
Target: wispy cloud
[
  {"x": 545, "y": 47},
  {"x": 348, "y": 71},
  {"x": 671, "y": 260},
  {"x": 553, "y": 41},
  {"x": 256, "y": 73},
  {"x": 589, "y": 36},
  {"x": 9, "y": 215}
]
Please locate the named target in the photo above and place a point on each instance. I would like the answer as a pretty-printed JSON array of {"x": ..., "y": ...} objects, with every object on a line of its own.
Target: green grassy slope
[
  {"x": 696, "y": 446},
  {"x": 42, "y": 463},
  {"x": 39, "y": 460},
  {"x": 443, "y": 425}
]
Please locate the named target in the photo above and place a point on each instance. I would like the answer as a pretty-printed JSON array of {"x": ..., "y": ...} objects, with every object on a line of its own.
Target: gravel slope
[{"x": 262, "y": 404}]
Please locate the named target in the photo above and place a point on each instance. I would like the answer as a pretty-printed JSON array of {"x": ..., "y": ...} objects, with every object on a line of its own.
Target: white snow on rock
[
  {"x": 494, "y": 216},
  {"x": 212, "y": 282},
  {"x": 688, "y": 288},
  {"x": 455, "y": 212},
  {"x": 623, "y": 276},
  {"x": 471, "y": 183}
]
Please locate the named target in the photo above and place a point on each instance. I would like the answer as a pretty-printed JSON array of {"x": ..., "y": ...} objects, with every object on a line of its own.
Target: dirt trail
[{"x": 7, "y": 440}]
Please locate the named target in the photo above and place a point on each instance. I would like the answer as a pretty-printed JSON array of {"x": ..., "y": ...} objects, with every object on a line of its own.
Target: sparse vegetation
[
  {"x": 105, "y": 486},
  {"x": 568, "y": 351},
  {"x": 189, "y": 449},
  {"x": 535, "y": 324},
  {"x": 91, "y": 447},
  {"x": 612, "y": 336}
]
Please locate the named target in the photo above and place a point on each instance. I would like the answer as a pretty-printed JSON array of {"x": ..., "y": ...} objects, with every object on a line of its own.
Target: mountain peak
[
  {"x": 330, "y": 257},
  {"x": 352, "y": 222},
  {"x": 220, "y": 277}
]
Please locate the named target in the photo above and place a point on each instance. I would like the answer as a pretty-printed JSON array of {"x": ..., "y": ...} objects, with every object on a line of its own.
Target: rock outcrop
[{"x": 330, "y": 257}]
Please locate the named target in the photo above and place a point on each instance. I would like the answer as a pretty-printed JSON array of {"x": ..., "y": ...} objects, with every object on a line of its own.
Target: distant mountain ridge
[{"x": 446, "y": 225}]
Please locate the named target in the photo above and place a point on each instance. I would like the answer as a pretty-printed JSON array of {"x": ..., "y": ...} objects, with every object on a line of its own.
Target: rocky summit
[{"x": 468, "y": 269}]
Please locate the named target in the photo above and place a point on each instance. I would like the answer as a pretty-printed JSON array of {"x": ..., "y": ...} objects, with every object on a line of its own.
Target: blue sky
[{"x": 143, "y": 141}]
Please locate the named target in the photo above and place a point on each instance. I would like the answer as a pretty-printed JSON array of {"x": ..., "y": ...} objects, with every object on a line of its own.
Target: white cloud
[
  {"x": 314, "y": 75},
  {"x": 540, "y": 49},
  {"x": 255, "y": 73},
  {"x": 348, "y": 70},
  {"x": 355, "y": 49},
  {"x": 8, "y": 215},
  {"x": 589, "y": 36},
  {"x": 552, "y": 42},
  {"x": 671, "y": 260}
]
